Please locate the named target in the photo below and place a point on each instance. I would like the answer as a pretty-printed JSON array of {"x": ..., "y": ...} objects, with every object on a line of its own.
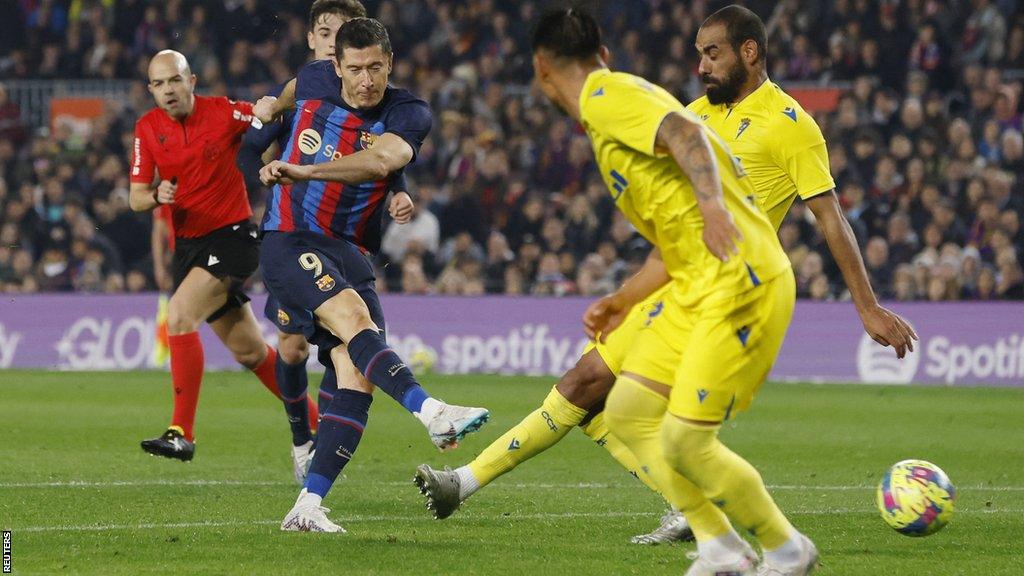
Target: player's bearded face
[
  {"x": 364, "y": 75},
  {"x": 723, "y": 89}
]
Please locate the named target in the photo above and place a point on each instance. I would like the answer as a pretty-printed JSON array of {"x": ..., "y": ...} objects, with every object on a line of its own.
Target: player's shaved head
[
  {"x": 172, "y": 83},
  {"x": 169, "y": 61}
]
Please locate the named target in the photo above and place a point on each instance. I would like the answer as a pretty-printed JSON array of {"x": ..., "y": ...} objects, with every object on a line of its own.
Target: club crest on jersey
[
  {"x": 310, "y": 141},
  {"x": 744, "y": 124},
  {"x": 367, "y": 139},
  {"x": 282, "y": 318},
  {"x": 325, "y": 283}
]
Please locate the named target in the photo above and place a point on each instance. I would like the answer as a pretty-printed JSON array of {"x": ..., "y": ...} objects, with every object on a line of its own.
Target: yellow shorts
[
  {"x": 618, "y": 343},
  {"x": 715, "y": 358}
]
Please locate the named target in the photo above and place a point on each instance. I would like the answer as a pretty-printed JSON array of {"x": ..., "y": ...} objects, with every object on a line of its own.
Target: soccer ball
[
  {"x": 916, "y": 498},
  {"x": 422, "y": 361}
]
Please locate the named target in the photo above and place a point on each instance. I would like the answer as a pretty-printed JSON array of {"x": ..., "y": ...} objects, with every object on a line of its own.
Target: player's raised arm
[
  {"x": 686, "y": 141},
  {"x": 269, "y": 108},
  {"x": 883, "y": 325}
]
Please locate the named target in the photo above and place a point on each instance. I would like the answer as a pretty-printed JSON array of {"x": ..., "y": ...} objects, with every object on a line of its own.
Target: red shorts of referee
[{"x": 184, "y": 157}]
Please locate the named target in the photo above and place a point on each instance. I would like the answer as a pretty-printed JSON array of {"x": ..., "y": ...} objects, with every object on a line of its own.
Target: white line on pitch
[
  {"x": 426, "y": 518},
  {"x": 516, "y": 486}
]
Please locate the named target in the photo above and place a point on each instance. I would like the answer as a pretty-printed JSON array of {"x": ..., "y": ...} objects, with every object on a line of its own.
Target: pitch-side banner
[{"x": 961, "y": 343}]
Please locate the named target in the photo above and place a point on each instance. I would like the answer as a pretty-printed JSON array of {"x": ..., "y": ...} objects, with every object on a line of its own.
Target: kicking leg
[
  {"x": 346, "y": 315},
  {"x": 563, "y": 408}
]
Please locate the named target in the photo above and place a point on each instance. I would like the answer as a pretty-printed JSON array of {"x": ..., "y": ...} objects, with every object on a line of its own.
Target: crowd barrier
[{"x": 961, "y": 343}]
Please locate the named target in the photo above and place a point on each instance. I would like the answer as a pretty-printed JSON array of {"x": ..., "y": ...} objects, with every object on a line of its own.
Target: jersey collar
[{"x": 754, "y": 96}]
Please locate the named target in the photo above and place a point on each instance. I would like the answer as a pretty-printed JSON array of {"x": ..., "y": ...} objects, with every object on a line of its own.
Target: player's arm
[
  {"x": 388, "y": 154},
  {"x": 145, "y": 197},
  {"x": 687, "y": 143},
  {"x": 884, "y": 326},
  {"x": 269, "y": 108},
  {"x": 259, "y": 146},
  {"x": 146, "y": 191},
  {"x": 401, "y": 204},
  {"x": 799, "y": 150},
  {"x": 608, "y": 313}
]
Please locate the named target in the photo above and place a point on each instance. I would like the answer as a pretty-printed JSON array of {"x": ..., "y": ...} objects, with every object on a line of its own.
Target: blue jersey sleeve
[
  {"x": 411, "y": 121},
  {"x": 398, "y": 183}
]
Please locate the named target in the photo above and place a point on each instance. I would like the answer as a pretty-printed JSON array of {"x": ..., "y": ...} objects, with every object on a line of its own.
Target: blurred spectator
[{"x": 925, "y": 143}]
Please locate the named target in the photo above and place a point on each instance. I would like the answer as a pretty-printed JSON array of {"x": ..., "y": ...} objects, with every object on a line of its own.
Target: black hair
[
  {"x": 362, "y": 33},
  {"x": 567, "y": 33},
  {"x": 741, "y": 25},
  {"x": 348, "y": 9}
]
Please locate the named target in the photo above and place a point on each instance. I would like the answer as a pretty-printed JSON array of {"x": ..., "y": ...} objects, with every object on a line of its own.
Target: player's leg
[
  {"x": 341, "y": 429},
  {"x": 583, "y": 387},
  {"x": 321, "y": 276},
  {"x": 635, "y": 410},
  {"x": 198, "y": 295},
  {"x": 673, "y": 526},
  {"x": 292, "y": 353},
  {"x": 354, "y": 315},
  {"x": 726, "y": 361},
  {"x": 238, "y": 330}
]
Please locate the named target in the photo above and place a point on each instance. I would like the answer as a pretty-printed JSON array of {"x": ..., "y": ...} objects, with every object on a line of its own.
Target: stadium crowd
[{"x": 925, "y": 144}]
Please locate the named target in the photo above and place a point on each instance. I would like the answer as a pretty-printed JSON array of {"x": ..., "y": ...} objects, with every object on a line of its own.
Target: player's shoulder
[
  {"x": 606, "y": 92},
  {"x": 400, "y": 100},
  {"x": 316, "y": 70},
  {"x": 396, "y": 96},
  {"x": 316, "y": 79},
  {"x": 784, "y": 110}
]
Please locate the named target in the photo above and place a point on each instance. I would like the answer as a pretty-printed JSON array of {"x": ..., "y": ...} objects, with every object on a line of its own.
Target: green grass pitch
[{"x": 80, "y": 497}]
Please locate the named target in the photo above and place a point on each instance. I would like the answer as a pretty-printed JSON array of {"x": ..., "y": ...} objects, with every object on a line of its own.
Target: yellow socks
[
  {"x": 726, "y": 479},
  {"x": 542, "y": 429},
  {"x": 634, "y": 414},
  {"x": 597, "y": 430}
]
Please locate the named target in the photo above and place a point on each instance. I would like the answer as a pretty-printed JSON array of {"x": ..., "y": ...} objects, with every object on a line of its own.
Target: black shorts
[
  {"x": 302, "y": 270},
  {"x": 231, "y": 252}
]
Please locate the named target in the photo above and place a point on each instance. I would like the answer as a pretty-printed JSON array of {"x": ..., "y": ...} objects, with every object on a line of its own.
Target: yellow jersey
[
  {"x": 621, "y": 114},
  {"x": 779, "y": 145}
]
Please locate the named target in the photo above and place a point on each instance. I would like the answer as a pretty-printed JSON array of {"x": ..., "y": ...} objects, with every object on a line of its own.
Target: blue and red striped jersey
[{"x": 324, "y": 128}]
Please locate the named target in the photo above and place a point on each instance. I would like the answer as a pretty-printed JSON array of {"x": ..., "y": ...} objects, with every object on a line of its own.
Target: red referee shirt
[{"x": 200, "y": 152}]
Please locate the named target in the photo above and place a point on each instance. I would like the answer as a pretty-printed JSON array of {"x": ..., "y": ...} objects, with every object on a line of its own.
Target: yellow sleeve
[
  {"x": 629, "y": 111},
  {"x": 802, "y": 154}
]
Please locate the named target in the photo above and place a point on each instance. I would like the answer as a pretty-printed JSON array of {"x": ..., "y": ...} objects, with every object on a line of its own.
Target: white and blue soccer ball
[{"x": 916, "y": 498}]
